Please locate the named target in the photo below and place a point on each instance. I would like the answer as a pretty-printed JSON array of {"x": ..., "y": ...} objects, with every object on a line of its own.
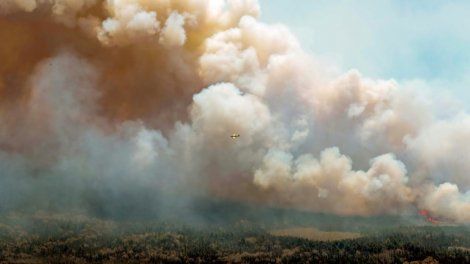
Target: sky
[
  {"x": 425, "y": 41},
  {"x": 130, "y": 112}
]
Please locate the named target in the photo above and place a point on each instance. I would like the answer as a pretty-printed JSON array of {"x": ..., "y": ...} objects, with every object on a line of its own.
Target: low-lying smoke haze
[{"x": 128, "y": 106}]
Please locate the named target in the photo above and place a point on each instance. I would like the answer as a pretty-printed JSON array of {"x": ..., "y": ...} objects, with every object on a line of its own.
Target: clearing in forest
[{"x": 315, "y": 234}]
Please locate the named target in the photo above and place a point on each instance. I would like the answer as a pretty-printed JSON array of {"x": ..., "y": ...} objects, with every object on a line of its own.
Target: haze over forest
[{"x": 126, "y": 107}]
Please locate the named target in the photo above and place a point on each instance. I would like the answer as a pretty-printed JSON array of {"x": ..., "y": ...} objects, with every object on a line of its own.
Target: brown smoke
[{"x": 114, "y": 98}]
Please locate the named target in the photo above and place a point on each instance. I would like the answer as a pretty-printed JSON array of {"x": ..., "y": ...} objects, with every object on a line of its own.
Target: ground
[{"x": 45, "y": 238}]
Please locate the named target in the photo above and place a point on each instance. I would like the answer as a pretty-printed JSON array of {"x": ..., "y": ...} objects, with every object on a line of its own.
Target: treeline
[{"x": 77, "y": 240}]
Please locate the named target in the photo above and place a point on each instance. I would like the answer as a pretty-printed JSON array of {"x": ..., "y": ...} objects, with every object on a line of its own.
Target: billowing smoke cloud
[{"x": 118, "y": 105}]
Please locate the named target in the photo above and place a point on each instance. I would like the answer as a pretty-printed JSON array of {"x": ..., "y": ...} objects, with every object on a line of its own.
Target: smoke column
[{"x": 125, "y": 104}]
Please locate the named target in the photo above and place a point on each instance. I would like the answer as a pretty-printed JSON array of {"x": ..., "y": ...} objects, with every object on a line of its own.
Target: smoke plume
[{"x": 127, "y": 104}]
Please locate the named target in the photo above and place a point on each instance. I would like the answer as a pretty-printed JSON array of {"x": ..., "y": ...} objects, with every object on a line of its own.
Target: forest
[{"x": 76, "y": 238}]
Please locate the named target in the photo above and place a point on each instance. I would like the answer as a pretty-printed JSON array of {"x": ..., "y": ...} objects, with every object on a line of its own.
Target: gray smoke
[{"x": 129, "y": 106}]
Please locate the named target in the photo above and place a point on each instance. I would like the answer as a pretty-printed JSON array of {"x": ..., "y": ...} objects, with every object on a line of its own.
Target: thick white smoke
[{"x": 118, "y": 101}]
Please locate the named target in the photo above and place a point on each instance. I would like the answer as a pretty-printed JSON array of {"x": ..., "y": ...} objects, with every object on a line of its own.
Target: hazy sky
[
  {"x": 404, "y": 40},
  {"x": 131, "y": 112}
]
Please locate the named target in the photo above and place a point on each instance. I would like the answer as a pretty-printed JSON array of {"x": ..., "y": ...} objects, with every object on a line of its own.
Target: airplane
[{"x": 235, "y": 136}]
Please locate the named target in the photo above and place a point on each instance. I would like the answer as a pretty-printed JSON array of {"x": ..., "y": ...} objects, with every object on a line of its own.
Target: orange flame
[{"x": 428, "y": 216}]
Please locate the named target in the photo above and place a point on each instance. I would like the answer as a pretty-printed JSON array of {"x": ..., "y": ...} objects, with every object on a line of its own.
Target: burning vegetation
[
  {"x": 137, "y": 109},
  {"x": 78, "y": 239}
]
